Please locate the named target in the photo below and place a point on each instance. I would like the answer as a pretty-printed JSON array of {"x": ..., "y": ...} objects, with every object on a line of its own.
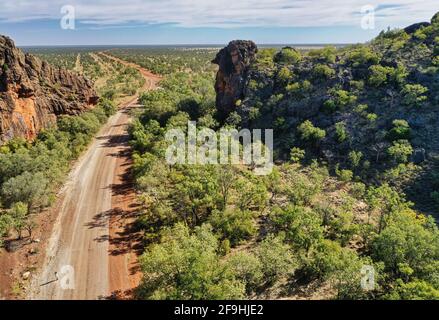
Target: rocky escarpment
[
  {"x": 234, "y": 62},
  {"x": 33, "y": 93}
]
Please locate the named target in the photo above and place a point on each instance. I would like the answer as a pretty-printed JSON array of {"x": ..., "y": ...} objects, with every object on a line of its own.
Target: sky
[{"x": 149, "y": 22}]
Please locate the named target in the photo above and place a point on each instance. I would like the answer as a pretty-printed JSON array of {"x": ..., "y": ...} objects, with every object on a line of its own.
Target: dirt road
[
  {"x": 150, "y": 77},
  {"x": 89, "y": 253}
]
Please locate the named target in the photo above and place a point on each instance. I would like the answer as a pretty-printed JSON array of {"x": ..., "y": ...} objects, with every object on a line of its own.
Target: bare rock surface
[
  {"x": 33, "y": 93},
  {"x": 234, "y": 62}
]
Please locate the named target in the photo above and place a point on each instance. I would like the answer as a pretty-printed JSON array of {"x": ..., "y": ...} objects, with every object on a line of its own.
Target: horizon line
[{"x": 181, "y": 45}]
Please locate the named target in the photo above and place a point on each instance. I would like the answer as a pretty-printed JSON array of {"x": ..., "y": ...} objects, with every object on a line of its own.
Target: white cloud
[{"x": 222, "y": 13}]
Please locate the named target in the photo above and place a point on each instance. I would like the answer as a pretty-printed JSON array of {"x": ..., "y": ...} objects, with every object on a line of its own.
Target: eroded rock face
[
  {"x": 33, "y": 93},
  {"x": 234, "y": 62}
]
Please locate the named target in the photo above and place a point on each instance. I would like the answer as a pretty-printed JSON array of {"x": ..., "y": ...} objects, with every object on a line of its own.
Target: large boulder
[{"x": 234, "y": 62}]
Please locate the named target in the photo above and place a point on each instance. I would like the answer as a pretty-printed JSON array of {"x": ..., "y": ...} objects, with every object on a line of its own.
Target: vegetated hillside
[
  {"x": 221, "y": 232},
  {"x": 371, "y": 111},
  {"x": 33, "y": 93}
]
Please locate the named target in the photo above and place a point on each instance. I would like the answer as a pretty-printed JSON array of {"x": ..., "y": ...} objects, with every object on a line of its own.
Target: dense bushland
[{"x": 220, "y": 232}]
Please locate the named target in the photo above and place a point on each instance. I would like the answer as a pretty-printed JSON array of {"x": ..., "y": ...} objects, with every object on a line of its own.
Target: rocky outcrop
[
  {"x": 33, "y": 93},
  {"x": 234, "y": 62},
  {"x": 415, "y": 27}
]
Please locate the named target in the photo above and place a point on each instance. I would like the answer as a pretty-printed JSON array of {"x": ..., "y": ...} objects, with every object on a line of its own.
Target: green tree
[
  {"x": 234, "y": 224},
  {"x": 251, "y": 193},
  {"x": 186, "y": 266},
  {"x": 248, "y": 268},
  {"x": 345, "y": 175},
  {"x": 276, "y": 258},
  {"x": 196, "y": 193},
  {"x": 18, "y": 213},
  {"x": 340, "y": 266},
  {"x": 387, "y": 202},
  {"x": 302, "y": 226},
  {"x": 6, "y": 223},
  {"x": 411, "y": 241},
  {"x": 226, "y": 181},
  {"x": 28, "y": 188},
  {"x": 300, "y": 189}
]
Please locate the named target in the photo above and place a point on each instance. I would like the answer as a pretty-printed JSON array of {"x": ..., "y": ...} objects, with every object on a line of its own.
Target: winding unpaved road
[{"x": 90, "y": 236}]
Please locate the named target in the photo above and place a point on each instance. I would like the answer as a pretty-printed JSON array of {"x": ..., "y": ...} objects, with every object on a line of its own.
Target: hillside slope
[{"x": 371, "y": 109}]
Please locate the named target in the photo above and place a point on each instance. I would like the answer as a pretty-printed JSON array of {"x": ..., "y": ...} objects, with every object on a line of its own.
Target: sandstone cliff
[
  {"x": 33, "y": 93},
  {"x": 234, "y": 62}
]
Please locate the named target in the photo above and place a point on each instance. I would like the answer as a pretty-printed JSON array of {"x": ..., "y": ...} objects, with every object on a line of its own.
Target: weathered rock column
[{"x": 234, "y": 62}]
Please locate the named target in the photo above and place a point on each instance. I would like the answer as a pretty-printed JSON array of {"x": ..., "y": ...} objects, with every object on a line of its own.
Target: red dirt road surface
[{"x": 92, "y": 251}]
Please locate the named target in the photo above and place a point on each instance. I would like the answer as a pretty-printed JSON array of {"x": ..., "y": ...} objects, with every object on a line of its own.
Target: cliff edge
[{"x": 33, "y": 93}]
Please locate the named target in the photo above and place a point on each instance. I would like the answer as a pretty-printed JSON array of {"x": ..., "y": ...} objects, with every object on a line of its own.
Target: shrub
[
  {"x": 284, "y": 75},
  {"x": 400, "y": 151},
  {"x": 400, "y": 131},
  {"x": 299, "y": 89},
  {"x": 297, "y": 154},
  {"x": 355, "y": 158},
  {"x": 310, "y": 133},
  {"x": 6, "y": 223},
  {"x": 342, "y": 98},
  {"x": 322, "y": 71},
  {"x": 345, "y": 175},
  {"x": 340, "y": 131},
  {"x": 379, "y": 75},
  {"x": 325, "y": 55},
  {"x": 288, "y": 55},
  {"x": 330, "y": 106},
  {"x": 414, "y": 94},
  {"x": 372, "y": 117},
  {"x": 362, "y": 56},
  {"x": 414, "y": 290}
]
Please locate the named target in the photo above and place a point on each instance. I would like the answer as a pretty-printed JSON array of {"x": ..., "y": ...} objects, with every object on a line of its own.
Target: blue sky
[{"x": 111, "y": 22}]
